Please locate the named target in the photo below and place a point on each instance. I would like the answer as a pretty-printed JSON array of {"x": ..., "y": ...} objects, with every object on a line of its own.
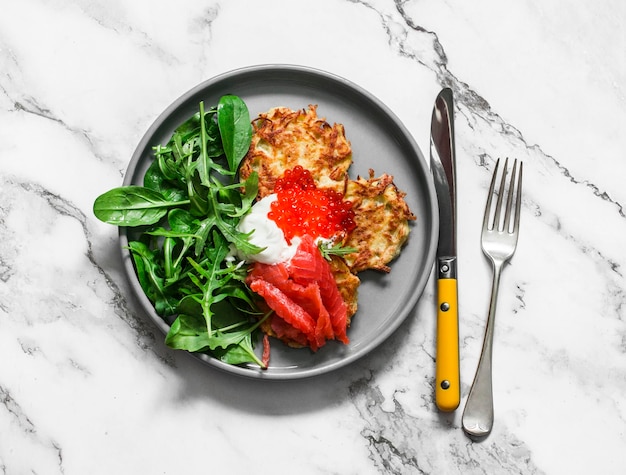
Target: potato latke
[{"x": 284, "y": 138}]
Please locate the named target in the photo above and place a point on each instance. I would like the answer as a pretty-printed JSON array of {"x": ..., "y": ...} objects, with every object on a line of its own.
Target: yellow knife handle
[{"x": 447, "y": 389}]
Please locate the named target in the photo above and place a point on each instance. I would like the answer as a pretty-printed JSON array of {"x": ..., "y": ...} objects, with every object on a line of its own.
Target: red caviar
[{"x": 303, "y": 209}]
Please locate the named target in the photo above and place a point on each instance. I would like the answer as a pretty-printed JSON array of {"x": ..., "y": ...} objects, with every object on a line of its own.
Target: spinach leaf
[
  {"x": 133, "y": 206},
  {"x": 235, "y": 129}
]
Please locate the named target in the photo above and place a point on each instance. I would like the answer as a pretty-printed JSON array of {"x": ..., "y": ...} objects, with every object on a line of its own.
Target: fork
[{"x": 499, "y": 240}]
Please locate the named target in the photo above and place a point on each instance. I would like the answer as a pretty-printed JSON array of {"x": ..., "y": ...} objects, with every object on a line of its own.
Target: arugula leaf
[
  {"x": 211, "y": 277},
  {"x": 205, "y": 164},
  {"x": 329, "y": 249},
  {"x": 251, "y": 189},
  {"x": 204, "y": 232}
]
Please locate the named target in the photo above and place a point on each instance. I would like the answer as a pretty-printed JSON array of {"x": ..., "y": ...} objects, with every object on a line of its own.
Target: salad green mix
[{"x": 186, "y": 214}]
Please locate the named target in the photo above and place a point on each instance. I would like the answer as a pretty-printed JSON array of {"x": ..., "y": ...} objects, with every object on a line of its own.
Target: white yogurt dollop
[{"x": 266, "y": 234}]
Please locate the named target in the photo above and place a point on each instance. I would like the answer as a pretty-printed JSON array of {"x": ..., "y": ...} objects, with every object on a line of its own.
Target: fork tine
[
  {"x": 509, "y": 200},
  {"x": 518, "y": 201},
  {"x": 486, "y": 219},
  {"x": 496, "y": 222}
]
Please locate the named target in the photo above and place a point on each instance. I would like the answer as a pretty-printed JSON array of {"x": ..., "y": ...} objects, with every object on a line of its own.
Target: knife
[{"x": 443, "y": 168}]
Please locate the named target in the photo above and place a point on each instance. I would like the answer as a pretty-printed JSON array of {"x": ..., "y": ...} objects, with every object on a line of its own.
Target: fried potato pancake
[
  {"x": 284, "y": 138},
  {"x": 382, "y": 222}
]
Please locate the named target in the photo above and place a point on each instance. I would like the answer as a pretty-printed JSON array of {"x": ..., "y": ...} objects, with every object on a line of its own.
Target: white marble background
[{"x": 86, "y": 384}]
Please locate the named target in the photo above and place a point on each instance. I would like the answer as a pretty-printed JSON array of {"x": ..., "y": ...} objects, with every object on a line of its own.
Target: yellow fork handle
[{"x": 447, "y": 389}]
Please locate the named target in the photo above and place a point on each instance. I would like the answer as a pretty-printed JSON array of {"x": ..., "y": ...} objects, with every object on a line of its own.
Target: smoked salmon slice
[
  {"x": 286, "y": 308},
  {"x": 308, "y": 265},
  {"x": 304, "y": 295}
]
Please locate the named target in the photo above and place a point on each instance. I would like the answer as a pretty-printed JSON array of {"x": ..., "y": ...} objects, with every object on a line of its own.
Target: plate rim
[{"x": 256, "y": 373}]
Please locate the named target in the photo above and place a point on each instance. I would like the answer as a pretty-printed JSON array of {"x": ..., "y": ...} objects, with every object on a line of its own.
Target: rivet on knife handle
[{"x": 447, "y": 390}]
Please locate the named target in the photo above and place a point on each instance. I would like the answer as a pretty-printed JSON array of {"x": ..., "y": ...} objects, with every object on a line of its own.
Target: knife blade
[{"x": 443, "y": 168}]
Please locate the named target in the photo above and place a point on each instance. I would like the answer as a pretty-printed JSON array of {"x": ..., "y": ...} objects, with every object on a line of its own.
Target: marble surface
[{"x": 86, "y": 383}]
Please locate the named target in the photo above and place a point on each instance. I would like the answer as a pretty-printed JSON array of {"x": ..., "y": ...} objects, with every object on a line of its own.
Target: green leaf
[
  {"x": 132, "y": 206},
  {"x": 231, "y": 342},
  {"x": 149, "y": 275},
  {"x": 168, "y": 163},
  {"x": 198, "y": 196},
  {"x": 329, "y": 249},
  {"x": 210, "y": 278},
  {"x": 235, "y": 129},
  {"x": 182, "y": 221},
  {"x": 246, "y": 200},
  {"x": 204, "y": 231},
  {"x": 251, "y": 190},
  {"x": 239, "y": 239},
  {"x": 188, "y": 129},
  {"x": 214, "y": 146},
  {"x": 154, "y": 179},
  {"x": 205, "y": 163},
  {"x": 188, "y": 332},
  {"x": 243, "y": 352}
]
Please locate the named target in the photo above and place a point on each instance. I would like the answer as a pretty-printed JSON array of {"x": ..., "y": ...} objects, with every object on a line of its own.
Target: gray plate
[{"x": 379, "y": 141}]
